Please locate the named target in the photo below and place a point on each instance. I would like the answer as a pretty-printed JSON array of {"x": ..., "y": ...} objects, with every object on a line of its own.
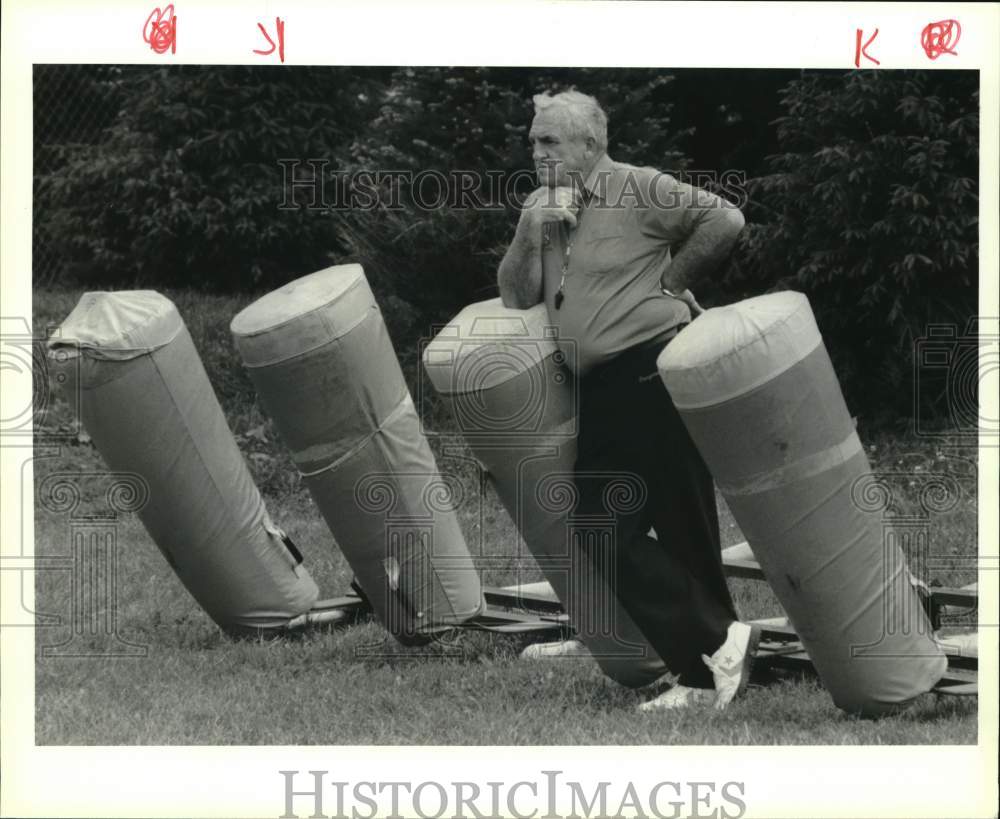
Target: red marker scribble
[
  {"x": 160, "y": 30},
  {"x": 280, "y": 27},
  {"x": 940, "y": 38},
  {"x": 862, "y": 50}
]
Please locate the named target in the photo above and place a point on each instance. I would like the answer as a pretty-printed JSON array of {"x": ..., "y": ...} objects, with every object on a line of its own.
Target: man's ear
[{"x": 591, "y": 146}]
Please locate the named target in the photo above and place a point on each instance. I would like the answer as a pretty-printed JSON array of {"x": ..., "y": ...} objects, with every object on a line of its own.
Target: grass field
[{"x": 178, "y": 680}]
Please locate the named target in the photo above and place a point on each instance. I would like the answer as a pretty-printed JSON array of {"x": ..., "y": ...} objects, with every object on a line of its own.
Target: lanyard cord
[{"x": 560, "y": 297}]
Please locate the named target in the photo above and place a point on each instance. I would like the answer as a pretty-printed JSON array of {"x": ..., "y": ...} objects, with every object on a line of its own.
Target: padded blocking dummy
[
  {"x": 132, "y": 374},
  {"x": 320, "y": 356},
  {"x": 513, "y": 399},
  {"x": 755, "y": 387}
]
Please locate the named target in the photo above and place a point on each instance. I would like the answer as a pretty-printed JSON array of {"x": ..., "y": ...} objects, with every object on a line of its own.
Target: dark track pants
[{"x": 632, "y": 440}]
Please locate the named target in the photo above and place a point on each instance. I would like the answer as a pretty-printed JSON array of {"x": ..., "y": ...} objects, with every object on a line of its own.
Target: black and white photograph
[{"x": 404, "y": 405}]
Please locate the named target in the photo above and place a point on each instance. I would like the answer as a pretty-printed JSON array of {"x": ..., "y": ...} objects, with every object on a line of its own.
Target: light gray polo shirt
[{"x": 618, "y": 253}]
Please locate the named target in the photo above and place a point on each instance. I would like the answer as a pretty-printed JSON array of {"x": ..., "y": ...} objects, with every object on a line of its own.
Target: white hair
[{"x": 582, "y": 113}]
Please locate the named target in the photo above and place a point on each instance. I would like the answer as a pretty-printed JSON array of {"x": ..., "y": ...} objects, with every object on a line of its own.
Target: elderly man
[{"x": 596, "y": 243}]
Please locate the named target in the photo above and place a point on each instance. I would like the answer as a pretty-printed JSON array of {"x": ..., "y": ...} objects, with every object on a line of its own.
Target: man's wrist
[{"x": 529, "y": 231}]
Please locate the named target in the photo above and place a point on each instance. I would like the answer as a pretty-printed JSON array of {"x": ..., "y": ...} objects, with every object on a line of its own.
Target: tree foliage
[
  {"x": 870, "y": 208},
  {"x": 867, "y": 201},
  {"x": 185, "y": 186},
  {"x": 474, "y": 122}
]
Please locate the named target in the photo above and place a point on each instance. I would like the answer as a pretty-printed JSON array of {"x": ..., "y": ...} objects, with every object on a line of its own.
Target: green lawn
[{"x": 188, "y": 684}]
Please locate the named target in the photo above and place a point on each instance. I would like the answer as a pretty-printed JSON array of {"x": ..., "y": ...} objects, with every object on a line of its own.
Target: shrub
[
  {"x": 871, "y": 210},
  {"x": 184, "y": 188}
]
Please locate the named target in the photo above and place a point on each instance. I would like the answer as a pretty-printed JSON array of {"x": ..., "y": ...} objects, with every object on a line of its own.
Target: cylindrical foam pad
[
  {"x": 755, "y": 387},
  {"x": 513, "y": 399},
  {"x": 324, "y": 367},
  {"x": 132, "y": 374}
]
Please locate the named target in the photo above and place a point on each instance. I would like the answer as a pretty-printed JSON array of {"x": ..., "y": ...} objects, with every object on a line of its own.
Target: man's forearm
[
  {"x": 704, "y": 250},
  {"x": 520, "y": 274}
]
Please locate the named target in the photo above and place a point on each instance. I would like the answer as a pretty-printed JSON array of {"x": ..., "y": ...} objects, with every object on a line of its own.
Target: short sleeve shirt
[{"x": 612, "y": 301}]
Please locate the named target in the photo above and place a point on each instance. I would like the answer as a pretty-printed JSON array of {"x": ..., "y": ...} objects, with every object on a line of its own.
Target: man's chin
[{"x": 546, "y": 178}]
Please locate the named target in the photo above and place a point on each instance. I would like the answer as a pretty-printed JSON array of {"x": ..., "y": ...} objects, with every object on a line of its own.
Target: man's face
[{"x": 557, "y": 156}]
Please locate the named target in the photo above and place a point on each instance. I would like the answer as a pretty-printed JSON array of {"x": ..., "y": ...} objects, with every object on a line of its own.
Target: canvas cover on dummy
[
  {"x": 133, "y": 376},
  {"x": 321, "y": 359},
  {"x": 513, "y": 399},
  {"x": 758, "y": 394}
]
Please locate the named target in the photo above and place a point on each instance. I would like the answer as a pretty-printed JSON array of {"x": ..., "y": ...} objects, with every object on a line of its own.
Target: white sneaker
[
  {"x": 730, "y": 665},
  {"x": 677, "y": 697},
  {"x": 564, "y": 648}
]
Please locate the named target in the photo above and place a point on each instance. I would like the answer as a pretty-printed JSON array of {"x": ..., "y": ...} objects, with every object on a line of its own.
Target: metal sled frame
[
  {"x": 780, "y": 646},
  {"x": 534, "y": 608}
]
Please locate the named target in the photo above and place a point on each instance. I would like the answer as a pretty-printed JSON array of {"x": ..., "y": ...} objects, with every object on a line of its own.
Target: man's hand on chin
[{"x": 558, "y": 204}]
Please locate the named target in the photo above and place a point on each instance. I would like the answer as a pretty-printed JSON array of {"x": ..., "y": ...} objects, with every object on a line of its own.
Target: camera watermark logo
[
  {"x": 500, "y": 379},
  {"x": 28, "y": 370},
  {"x": 956, "y": 372}
]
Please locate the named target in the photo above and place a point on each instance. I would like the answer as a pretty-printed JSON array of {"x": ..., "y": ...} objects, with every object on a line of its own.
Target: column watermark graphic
[
  {"x": 909, "y": 551},
  {"x": 91, "y": 562},
  {"x": 408, "y": 505},
  {"x": 85, "y": 565}
]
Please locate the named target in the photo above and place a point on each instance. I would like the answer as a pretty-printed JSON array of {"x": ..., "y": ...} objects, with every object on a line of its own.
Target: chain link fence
[{"x": 73, "y": 105}]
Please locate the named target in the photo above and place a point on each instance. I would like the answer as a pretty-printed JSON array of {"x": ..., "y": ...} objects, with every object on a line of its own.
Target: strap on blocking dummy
[
  {"x": 320, "y": 357},
  {"x": 756, "y": 390}
]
